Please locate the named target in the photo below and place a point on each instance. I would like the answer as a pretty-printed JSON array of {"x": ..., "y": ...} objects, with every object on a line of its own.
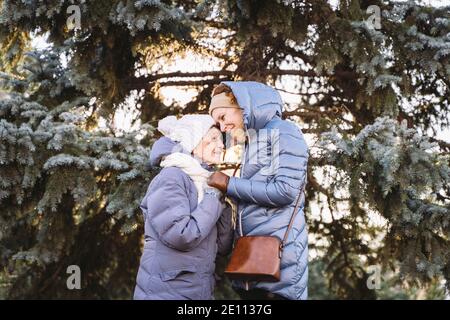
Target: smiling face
[
  {"x": 230, "y": 120},
  {"x": 210, "y": 148}
]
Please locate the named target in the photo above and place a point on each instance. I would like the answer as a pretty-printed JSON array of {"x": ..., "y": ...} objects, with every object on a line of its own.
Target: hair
[{"x": 221, "y": 88}]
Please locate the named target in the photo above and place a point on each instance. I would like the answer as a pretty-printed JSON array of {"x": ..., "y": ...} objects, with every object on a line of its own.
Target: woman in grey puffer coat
[
  {"x": 272, "y": 178},
  {"x": 182, "y": 233}
]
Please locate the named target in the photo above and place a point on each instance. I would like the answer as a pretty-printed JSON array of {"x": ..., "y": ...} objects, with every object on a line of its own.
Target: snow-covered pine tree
[
  {"x": 68, "y": 195},
  {"x": 377, "y": 97},
  {"x": 393, "y": 170}
]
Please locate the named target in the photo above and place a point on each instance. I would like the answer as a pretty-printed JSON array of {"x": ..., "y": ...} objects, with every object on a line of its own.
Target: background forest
[{"x": 83, "y": 84}]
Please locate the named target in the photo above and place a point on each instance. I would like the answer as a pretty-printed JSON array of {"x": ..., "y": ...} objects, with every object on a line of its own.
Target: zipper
[
  {"x": 247, "y": 143},
  {"x": 240, "y": 176}
]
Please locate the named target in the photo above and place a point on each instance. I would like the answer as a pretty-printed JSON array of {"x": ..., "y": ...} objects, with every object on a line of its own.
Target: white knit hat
[{"x": 188, "y": 130}]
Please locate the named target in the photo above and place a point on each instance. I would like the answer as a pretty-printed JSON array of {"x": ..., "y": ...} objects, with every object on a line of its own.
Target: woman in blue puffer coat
[
  {"x": 273, "y": 174},
  {"x": 186, "y": 224}
]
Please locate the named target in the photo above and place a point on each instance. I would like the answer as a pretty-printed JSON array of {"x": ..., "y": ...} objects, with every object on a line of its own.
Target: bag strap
[
  {"x": 233, "y": 205},
  {"x": 236, "y": 169},
  {"x": 294, "y": 214}
]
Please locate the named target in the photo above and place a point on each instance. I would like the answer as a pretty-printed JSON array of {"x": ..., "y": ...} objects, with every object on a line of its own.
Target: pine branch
[{"x": 145, "y": 82}]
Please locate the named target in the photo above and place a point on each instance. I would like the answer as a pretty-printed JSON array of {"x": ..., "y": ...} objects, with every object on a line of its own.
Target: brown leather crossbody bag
[{"x": 258, "y": 258}]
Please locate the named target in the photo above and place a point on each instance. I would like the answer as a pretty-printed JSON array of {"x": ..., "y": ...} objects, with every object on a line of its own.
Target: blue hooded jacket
[{"x": 273, "y": 173}]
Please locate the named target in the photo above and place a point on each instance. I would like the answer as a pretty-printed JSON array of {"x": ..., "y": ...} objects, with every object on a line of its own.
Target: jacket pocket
[
  {"x": 184, "y": 283},
  {"x": 183, "y": 272}
]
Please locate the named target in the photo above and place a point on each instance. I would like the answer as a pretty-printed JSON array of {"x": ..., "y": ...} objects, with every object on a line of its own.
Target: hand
[{"x": 219, "y": 180}]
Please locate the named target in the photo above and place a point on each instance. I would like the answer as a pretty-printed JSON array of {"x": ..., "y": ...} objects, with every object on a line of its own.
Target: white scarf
[{"x": 191, "y": 167}]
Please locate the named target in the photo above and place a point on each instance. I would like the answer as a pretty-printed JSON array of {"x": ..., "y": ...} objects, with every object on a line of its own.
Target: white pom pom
[{"x": 166, "y": 125}]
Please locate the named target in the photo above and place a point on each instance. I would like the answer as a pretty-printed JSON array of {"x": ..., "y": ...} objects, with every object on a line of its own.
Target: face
[
  {"x": 210, "y": 149},
  {"x": 231, "y": 120}
]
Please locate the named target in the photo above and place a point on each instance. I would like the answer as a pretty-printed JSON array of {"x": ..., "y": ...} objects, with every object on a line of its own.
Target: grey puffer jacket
[
  {"x": 182, "y": 237},
  {"x": 272, "y": 177}
]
